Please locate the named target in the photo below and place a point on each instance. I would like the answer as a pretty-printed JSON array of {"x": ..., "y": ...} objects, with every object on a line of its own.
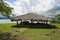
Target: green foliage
[
  {"x": 5, "y": 9},
  {"x": 57, "y": 18}
]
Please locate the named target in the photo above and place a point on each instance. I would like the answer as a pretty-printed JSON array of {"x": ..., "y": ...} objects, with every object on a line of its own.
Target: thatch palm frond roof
[{"x": 32, "y": 16}]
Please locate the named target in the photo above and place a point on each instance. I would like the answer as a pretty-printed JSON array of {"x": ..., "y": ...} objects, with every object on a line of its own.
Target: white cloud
[
  {"x": 25, "y": 6},
  {"x": 36, "y": 6},
  {"x": 11, "y": 5},
  {"x": 58, "y": 3}
]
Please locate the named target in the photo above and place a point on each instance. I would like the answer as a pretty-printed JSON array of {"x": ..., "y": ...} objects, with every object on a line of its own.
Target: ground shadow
[{"x": 35, "y": 25}]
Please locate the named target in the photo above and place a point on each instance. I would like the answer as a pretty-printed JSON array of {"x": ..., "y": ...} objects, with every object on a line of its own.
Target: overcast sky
[{"x": 35, "y": 6}]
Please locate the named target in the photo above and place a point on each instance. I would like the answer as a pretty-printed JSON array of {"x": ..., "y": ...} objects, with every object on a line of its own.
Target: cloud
[
  {"x": 11, "y": 5},
  {"x": 36, "y": 6},
  {"x": 58, "y": 3}
]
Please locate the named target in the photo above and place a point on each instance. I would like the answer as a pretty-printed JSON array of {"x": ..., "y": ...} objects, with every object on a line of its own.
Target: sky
[{"x": 32, "y": 6}]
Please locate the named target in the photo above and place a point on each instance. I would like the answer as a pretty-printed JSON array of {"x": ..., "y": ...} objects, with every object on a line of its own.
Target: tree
[
  {"x": 5, "y": 10},
  {"x": 57, "y": 18}
]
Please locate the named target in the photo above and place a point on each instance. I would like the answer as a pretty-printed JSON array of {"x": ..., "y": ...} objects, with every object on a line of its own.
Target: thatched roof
[{"x": 32, "y": 16}]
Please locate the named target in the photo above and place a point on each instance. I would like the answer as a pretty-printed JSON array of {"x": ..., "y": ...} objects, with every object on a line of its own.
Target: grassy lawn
[
  {"x": 10, "y": 29},
  {"x": 6, "y": 27},
  {"x": 32, "y": 33}
]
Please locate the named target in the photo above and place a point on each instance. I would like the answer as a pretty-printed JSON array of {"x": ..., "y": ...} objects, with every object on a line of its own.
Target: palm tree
[{"x": 5, "y": 10}]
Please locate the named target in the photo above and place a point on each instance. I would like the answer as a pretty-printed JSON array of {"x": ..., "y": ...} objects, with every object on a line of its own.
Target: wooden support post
[
  {"x": 41, "y": 21},
  {"x": 21, "y": 21},
  {"x": 46, "y": 22},
  {"x": 37, "y": 21},
  {"x": 17, "y": 23},
  {"x": 31, "y": 21}
]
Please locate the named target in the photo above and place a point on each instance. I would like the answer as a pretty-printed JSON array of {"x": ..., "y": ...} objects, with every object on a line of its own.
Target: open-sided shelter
[{"x": 32, "y": 17}]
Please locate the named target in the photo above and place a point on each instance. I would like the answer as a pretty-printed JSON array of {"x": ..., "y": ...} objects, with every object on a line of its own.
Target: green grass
[
  {"x": 9, "y": 28},
  {"x": 6, "y": 27},
  {"x": 34, "y": 34}
]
